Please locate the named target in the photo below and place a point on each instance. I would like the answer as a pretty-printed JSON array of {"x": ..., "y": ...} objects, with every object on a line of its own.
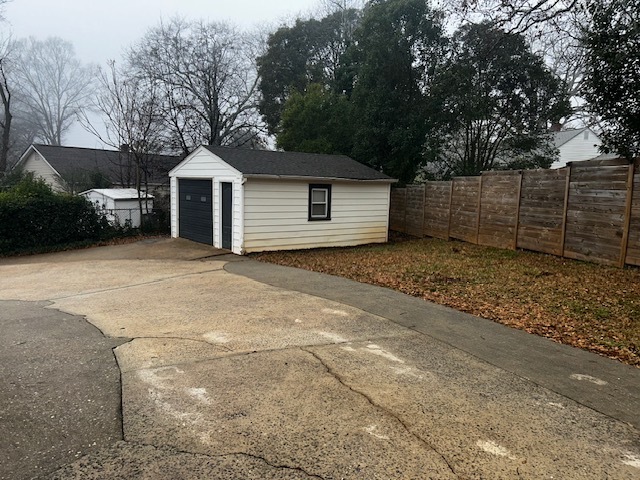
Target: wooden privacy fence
[{"x": 586, "y": 211}]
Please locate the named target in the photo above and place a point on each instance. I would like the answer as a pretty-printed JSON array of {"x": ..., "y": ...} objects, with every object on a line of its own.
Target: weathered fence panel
[
  {"x": 414, "y": 210},
  {"x": 596, "y": 213},
  {"x": 397, "y": 209},
  {"x": 542, "y": 210},
  {"x": 633, "y": 244},
  {"x": 463, "y": 222},
  {"x": 499, "y": 202},
  {"x": 587, "y": 211},
  {"x": 436, "y": 209}
]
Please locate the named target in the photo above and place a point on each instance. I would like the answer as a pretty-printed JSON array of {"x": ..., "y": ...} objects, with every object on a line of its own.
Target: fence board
[
  {"x": 464, "y": 209},
  {"x": 593, "y": 235},
  {"x": 397, "y": 210},
  {"x": 633, "y": 246},
  {"x": 588, "y": 211},
  {"x": 414, "y": 210},
  {"x": 436, "y": 211},
  {"x": 542, "y": 210}
]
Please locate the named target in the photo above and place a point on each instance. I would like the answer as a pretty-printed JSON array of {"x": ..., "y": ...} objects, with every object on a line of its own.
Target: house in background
[
  {"x": 73, "y": 169},
  {"x": 575, "y": 146},
  {"x": 120, "y": 206},
  {"x": 255, "y": 200}
]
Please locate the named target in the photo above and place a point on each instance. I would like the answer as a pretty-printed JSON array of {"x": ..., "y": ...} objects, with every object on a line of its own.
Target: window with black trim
[{"x": 319, "y": 202}]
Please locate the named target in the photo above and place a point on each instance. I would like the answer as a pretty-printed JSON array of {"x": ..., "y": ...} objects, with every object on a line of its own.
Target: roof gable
[
  {"x": 268, "y": 163},
  {"x": 203, "y": 162},
  {"x": 564, "y": 136},
  {"x": 26, "y": 156}
]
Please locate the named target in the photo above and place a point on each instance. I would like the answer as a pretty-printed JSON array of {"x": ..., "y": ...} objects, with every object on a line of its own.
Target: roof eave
[{"x": 307, "y": 178}]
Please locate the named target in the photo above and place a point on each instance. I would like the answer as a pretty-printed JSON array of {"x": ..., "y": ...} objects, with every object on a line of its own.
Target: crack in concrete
[
  {"x": 245, "y": 353},
  {"x": 377, "y": 406},
  {"x": 133, "y": 285},
  {"x": 273, "y": 465},
  {"x": 228, "y": 267},
  {"x": 225, "y": 455},
  {"x": 180, "y": 339}
]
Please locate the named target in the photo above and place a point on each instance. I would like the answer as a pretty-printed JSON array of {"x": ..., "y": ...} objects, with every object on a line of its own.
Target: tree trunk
[
  {"x": 5, "y": 94},
  {"x": 6, "y": 136}
]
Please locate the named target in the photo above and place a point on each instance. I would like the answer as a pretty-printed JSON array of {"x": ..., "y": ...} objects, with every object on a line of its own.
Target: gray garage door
[{"x": 195, "y": 210}]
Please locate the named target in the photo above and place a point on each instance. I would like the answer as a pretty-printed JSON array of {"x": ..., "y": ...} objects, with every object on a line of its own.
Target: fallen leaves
[{"x": 589, "y": 306}]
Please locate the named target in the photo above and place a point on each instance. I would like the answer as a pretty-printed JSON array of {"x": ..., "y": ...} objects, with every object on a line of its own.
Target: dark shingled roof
[
  {"x": 294, "y": 164},
  {"x": 72, "y": 161}
]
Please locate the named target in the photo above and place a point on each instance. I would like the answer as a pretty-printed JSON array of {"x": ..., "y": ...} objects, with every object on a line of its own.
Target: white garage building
[{"x": 254, "y": 200}]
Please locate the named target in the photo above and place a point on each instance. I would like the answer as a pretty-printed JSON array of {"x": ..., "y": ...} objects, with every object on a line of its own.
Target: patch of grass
[{"x": 590, "y": 306}]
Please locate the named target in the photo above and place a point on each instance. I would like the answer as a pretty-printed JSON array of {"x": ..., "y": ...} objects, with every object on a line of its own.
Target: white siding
[
  {"x": 41, "y": 169},
  {"x": 578, "y": 149},
  {"x": 202, "y": 164},
  {"x": 276, "y": 215},
  {"x": 119, "y": 211},
  {"x": 129, "y": 210},
  {"x": 99, "y": 200},
  {"x": 173, "y": 199}
]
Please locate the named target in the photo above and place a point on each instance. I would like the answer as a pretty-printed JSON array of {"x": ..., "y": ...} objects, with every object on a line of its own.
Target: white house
[
  {"x": 120, "y": 205},
  {"x": 255, "y": 200},
  {"x": 575, "y": 146},
  {"x": 71, "y": 169}
]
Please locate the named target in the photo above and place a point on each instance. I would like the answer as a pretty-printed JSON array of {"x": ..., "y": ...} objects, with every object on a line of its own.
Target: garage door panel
[{"x": 196, "y": 210}]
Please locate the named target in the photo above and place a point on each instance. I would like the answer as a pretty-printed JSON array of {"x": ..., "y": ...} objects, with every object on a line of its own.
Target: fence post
[
  {"x": 515, "y": 233},
  {"x": 627, "y": 216},
  {"x": 450, "y": 205},
  {"x": 479, "y": 208},
  {"x": 566, "y": 209}
]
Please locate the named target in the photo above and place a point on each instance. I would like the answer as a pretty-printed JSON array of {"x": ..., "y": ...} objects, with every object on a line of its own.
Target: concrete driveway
[{"x": 225, "y": 376}]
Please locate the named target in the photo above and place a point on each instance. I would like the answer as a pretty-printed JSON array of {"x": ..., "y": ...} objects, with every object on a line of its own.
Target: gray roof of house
[
  {"x": 70, "y": 161},
  {"x": 295, "y": 164},
  {"x": 562, "y": 137}
]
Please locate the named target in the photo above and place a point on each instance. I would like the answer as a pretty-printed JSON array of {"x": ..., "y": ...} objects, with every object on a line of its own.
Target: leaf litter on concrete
[{"x": 593, "y": 307}]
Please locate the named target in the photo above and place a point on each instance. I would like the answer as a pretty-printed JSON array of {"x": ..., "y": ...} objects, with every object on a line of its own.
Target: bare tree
[
  {"x": 514, "y": 16},
  {"x": 207, "y": 74},
  {"x": 54, "y": 86},
  {"x": 2, "y": 3},
  {"x": 559, "y": 43},
  {"x": 15, "y": 132},
  {"x": 132, "y": 114},
  {"x": 6, "y": 95}
]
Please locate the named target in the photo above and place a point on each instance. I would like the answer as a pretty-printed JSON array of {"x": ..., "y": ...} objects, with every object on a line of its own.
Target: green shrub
[
  {"x": 11, "y": 178},
  {"x": 24, "y": 184},
  {"x": 32, "y": 216}
]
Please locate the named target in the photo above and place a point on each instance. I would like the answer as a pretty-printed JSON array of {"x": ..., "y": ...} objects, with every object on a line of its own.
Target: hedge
[{"x": 32, "y": 222}]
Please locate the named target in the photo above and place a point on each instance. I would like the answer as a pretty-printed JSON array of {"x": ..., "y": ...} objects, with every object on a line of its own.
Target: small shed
[
  {"x": 254, "y": 200},
  {"x": 120, "y": 205}
]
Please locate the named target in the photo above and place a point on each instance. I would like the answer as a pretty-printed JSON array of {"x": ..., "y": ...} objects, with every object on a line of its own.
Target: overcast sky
[{"x": 101, "y": 29}]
